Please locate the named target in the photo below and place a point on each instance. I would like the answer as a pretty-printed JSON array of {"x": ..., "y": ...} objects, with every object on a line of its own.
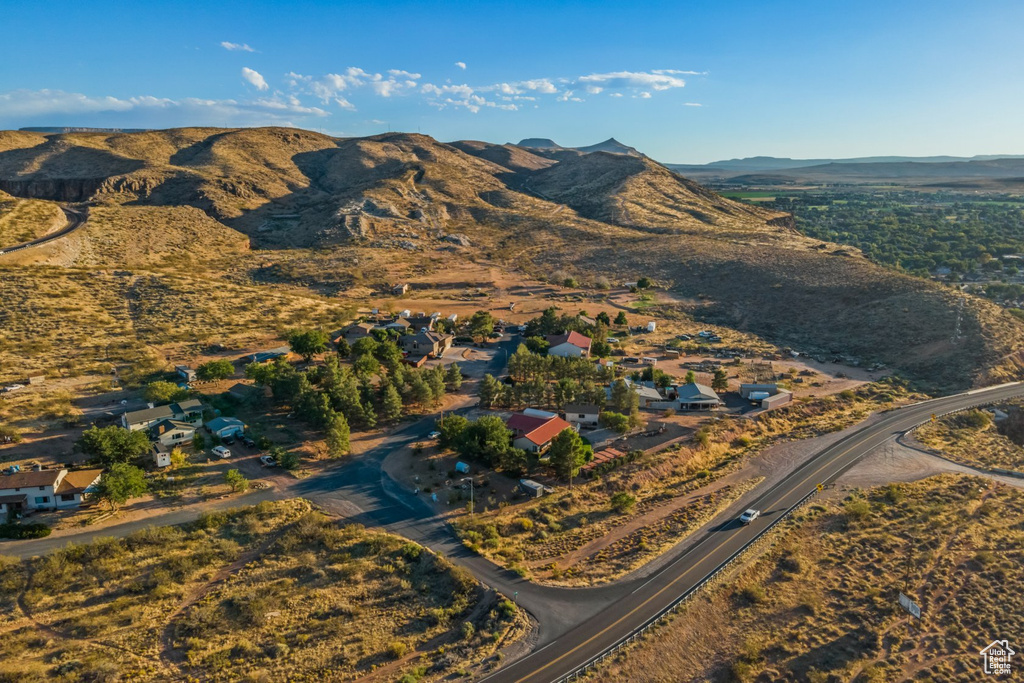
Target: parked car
[
  {"x": 268, "y": 461},
  {"x": 749, "y": 516},
  {"x": 433, "y": 435},
  {"x": 612, "y": 340},
  {"x": 221, "y": 451},
  {"x": 229, "y": 439},
  {"x": 248, "y": 441},
  {"x": 13, "y": 387}
]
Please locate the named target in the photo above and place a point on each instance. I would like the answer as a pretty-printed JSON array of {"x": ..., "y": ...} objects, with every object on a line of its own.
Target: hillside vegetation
[
  {"x": 821, "y": 606},
  {"x": 362, "y": 209},
  {"x": 271, "y": 592}
]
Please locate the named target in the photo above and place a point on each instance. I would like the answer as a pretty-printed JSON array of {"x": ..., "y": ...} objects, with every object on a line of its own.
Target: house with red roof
[
  {"x": 533, "y": 433},
  {"x": 572, "y": 344}
]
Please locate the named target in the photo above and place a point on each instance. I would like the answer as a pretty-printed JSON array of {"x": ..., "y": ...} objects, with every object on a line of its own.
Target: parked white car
[
  {"x": 13, "y": 387},
  {"x": 268, "y": 461},
  {"x": 221, "y": 451}
]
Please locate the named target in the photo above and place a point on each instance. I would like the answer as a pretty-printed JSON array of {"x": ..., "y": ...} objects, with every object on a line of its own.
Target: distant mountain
[
  {"x": 763, "y": 164},
  {"x": 611, "y": 145},
  {"x": 63, "y": 130},
  {"x": 539, "y": 143}
]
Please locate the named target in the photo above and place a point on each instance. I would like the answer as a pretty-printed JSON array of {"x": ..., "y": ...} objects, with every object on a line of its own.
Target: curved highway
[
  {"x": 649, "y": 597},
  {"x": 75, "y": 220}
]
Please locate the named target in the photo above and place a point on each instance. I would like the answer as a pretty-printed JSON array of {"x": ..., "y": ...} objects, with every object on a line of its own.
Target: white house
[
  {"x": 190, "y": 411},
  {"x": 582, "y": 415},
  {"x": 568, "y": 345},
  {"x": 172, "y": 433},
  {"x": 162, "y": 459},
  {"x": 46, "y": 489},
  {"x": 694, "y": 396}
]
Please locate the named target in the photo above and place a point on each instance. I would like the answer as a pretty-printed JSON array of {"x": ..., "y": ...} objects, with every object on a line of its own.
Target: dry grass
[
  {"x": 821, "y": 604},
  {"x": 22, "y": 220},
  {"x": 556, "y": 539},
  {"x": 978, "y": 446},
  {"x": 273, "y": 592}
]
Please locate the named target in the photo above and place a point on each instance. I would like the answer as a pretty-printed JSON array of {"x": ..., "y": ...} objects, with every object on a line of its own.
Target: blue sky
[{"x": 681, "y": 81}]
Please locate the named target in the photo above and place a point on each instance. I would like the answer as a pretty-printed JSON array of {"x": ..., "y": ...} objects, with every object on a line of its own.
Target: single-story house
[
  {"x": 355, "y": 332},
  {"x": 264, "y": 356},
  {"x": 399, "y": 290},
  {"x": 46, "y": 489},
  {"x": 190, "y": 411},
  {"x": 572, "y": 344},
  {"x": 533, "y": 433},
  {"x": 400, "y": 324},
  {"x": 172, "y": 433},
  {"x": 185, "y": 372},
  {"x": 747, "y": 389},
  {"x": 453, "y": 317},
  {"x": 224, "y": 427},
  {"x": 694, "y": 396},
  {"x": 586, "y": 319},
  {"x": 420, "y": 322},
  {"x": 768, "y": 395},
  {"x": 426, "y": 343},
  {"x": 36, "y": 379},
  {"x": 244, "y": 392},
  {"x": 583, "y": 415}
]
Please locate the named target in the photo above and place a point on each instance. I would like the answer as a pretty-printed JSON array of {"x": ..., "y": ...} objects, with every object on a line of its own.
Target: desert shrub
[
  {"x": 623, "y": 502},
  {"x": 973, "y": 419},
  {"x": 857, "y": 508},
  {"x": 397, "y": 649},
  {"x": 22, "y": 531}
]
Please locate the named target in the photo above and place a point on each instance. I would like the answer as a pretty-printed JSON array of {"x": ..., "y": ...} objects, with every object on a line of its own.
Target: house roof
[
  {"x": 164, "y": 426},
  {"x": 649, "y": 393},
  {"x": 78, "y": 481},
  {"x": 219, "y": 423},
  {"x": 190, "y": 404},
  {"x": 696, "y": 392},
  {"x": 24, "y": 480},
  {"x": 16, "y": 498},
  {"x": 582, "y": 409},
  {"x": 149, "y": 414},
  {"x": 398, "y": 322},
  {"x": 420, "y": 320},
  {"x": 575, "y": 338},
  {"x": 242, "y": 390},
  {"x": 537, "y": 430}
]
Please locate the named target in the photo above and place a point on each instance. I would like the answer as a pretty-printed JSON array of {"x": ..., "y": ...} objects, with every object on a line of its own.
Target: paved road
[
  {"x": 573, "y": 624},
  {"x": 648, "y": 597},
  {"x": 76, "y": 219}
]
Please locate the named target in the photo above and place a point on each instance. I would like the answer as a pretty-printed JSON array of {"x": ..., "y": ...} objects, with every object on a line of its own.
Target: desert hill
[{"x": 340, "y": 217}]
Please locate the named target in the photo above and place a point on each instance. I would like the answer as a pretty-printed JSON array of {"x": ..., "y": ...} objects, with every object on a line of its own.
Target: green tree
[
  {"x": 286, "y": 459},
  {"x": 691, "y": 377},
  {"x": 363, "y": 346},
  {"x": 451, "y": 428},
  {"x": 236, "y": 480},
  {"x": 615, "y": 421},
  {"x": 487, "y": 438},
  {"x": 567, "y": 454},
  {"x": 604, "y": 318},
  {"x": 644, "y": 283},
  {"x": 164, "y": 392},
  {"x": 453, "y": 377},
  {"x": 481, "y": 325},
  {"x": 390, "y": 403},
  {"x": 215, "y": 369},
  {"x": 338, "y": 436},
  {"x": 435, "y": 379},
  {"x": 488, "y": 391},
  {"x": 121, "y": 483},
  {"x": 538, "y": 345},
  {"x": 366, "y": 365},
  {"x": 113, "y": 444},
  {"x": 621, "y": 396},
  {"x": 514, "y": 461},
  {"x": 420, "y": 391},
  {"x": 308, "y": 343},
  {"x": 342, "y": 347},
  {"x": 198, "y": 442},
  {"x": 720, "y": 383},
  {"x": 620, "y": 319}
]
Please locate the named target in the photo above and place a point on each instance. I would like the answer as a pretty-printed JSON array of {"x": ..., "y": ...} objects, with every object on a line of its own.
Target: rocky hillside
[{"x": 374, "y": 200}]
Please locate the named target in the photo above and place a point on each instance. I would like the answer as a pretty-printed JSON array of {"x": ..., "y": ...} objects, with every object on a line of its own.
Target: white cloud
[
  {"x": 461, "y": 65},
  {"x": 614, "y": 94},
  {"x": 254, "y": 78},
  {"x": 344, "y": 104},
  {"x": 692, "y": 104},
  {"x": 57, "y": 107},
  {"x": 644, "y": 95},
  {"x": 236, "y": 47},
  {"x": 661, "y": 79},
  {"x": 328, "y": 87}
]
